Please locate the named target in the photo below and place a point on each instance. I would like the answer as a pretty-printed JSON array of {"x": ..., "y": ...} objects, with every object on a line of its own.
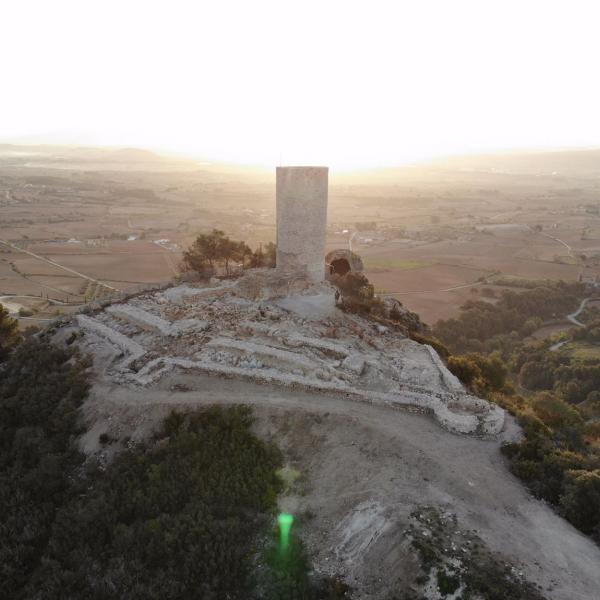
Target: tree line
[{"x": 485, "y": 326}]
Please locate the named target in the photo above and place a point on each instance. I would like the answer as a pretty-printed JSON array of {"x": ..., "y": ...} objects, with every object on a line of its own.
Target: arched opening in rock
[{"x": 339, "y": 266}]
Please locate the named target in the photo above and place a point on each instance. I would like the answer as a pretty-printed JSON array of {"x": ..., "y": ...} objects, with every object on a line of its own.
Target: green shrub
[
  {"x": 482, "y": 374},
  {"x": 438, "y": 346},
  {"x": 555, "y": 412},
  {"x": 580, "y": 502},
  {"x": 9, "y": 333}
]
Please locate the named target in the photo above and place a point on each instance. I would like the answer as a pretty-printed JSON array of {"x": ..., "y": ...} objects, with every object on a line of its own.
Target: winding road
[
  {"x": 573, "y": 316},
  {"x": 573, "y": 319},
  {"x": 569, "y": 248}
]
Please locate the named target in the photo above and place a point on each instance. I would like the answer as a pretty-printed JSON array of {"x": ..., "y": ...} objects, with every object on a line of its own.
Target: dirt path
[
  {"x": 556, "y": 347},
  {"x": 450, "y": 289},
  {"x": 573, "y": 316},
  {"x": 573, "y": 319},
  {"x": 558, "y": 240},
  {"x": 356, "y": 456}
]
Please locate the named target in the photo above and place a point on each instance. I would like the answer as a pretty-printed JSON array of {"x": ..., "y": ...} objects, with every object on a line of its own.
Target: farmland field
[{"x": 433, "y": 235}]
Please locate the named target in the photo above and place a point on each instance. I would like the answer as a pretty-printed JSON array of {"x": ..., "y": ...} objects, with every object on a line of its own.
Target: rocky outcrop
[{"x": 301, "y": 342}]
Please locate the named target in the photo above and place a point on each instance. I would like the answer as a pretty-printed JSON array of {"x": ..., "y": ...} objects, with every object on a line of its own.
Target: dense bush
[
  {"x": 357, "y": 293},
  {"x": 580, "y": 501},
  {"x": 182, "y": 516},
  {"x": 482, "y": 374},
  {"x": 553, "y": 458},
  {"x": 41, "y": 387},
  {"x": 176, "y": 519},
  {"x": 570, "y": 377},
  {"x": 559, "y": 456},
  {"x": 555, "y": 412},
  {"x": 481, "y": 322},
  {"x": 9, "y": 333},
  {"x": 440, "y": 348}
]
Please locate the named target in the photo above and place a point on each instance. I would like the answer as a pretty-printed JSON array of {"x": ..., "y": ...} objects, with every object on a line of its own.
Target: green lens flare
[{"x": 285, "y": 521}]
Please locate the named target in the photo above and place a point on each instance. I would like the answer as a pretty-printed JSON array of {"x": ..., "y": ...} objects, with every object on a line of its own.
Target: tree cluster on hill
[
  {"x": 185, "y": 515},
  {"x": 41, "y": 387},
  {"x": 574, "y": 379},
  {"x": 589, "y": 314},
  {"x": 171, "y": 520},
  {"x": 481, "y": 374},
  {"x": 559, "y": 456},
  {"x": 556, "y": 460},
  {"x": 214, "y": 249},
  {"x": 522, "y": 282},
  {"x": 590, "y": 332},
  {"x": 484, "y": 327}
]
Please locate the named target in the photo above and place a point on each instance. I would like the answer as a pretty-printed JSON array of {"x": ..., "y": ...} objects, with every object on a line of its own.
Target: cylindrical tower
[{"x": 302, "y": 220}]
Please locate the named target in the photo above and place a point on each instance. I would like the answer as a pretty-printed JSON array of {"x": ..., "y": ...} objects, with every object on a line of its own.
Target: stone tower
[{"x": 302, "y": 220}]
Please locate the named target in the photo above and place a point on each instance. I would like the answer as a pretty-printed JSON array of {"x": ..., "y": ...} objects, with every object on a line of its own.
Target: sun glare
[{"x": 343, "y": 83}]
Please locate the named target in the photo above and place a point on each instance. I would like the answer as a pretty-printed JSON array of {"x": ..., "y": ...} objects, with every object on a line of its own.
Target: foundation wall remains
[{"x": 302, "y": 220}]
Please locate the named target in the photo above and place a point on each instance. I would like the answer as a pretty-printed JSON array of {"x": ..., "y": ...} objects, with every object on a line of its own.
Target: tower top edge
[{"x": 302, "y": 167}]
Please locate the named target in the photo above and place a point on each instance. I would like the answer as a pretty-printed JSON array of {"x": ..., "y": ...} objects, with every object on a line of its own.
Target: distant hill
[
  {"x": 74, "y": 153},
  {"x": 559, "y": 162},
  {"x": 571, "y": 163},
  {"x": 92, "y": 158}
]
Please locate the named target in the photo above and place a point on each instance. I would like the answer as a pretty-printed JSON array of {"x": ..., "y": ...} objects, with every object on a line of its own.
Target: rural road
[
  {"x": 59, "y": 266},
  {"x": 450, "y": 289},
  {"x": 573, "y": 318},
  {"x": 350, "y": 240},
  {"x": 569, "y": 248}
]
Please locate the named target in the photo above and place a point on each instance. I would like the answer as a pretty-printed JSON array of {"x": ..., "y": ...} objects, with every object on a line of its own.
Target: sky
[{"x": 341, "y": 83}]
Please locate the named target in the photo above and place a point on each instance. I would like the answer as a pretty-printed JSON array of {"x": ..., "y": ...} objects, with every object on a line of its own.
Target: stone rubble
[{"x": 220, "y": 331}]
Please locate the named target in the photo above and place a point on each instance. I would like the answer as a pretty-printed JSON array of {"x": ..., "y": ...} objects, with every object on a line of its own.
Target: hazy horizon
[
  {"x": 281, "y": 83},
  {"x": 40, "y": 141}
]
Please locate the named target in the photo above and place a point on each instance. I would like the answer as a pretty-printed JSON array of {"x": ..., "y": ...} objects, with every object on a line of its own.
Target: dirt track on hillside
[{"x": 365, "y": 469}]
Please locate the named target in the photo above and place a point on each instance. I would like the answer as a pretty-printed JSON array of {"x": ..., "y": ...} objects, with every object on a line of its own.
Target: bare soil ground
[{"x": 364, "y": 469}]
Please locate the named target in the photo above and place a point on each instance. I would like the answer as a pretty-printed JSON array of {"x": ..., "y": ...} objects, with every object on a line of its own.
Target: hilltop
[{"x": 358, "y": 434}]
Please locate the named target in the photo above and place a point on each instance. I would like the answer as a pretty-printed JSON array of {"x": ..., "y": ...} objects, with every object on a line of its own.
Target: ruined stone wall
[{"x": 302, "y": 220}]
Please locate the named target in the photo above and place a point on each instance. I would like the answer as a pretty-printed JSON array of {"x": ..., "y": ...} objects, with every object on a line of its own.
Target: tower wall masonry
[{"x": 302, "y": 220}]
